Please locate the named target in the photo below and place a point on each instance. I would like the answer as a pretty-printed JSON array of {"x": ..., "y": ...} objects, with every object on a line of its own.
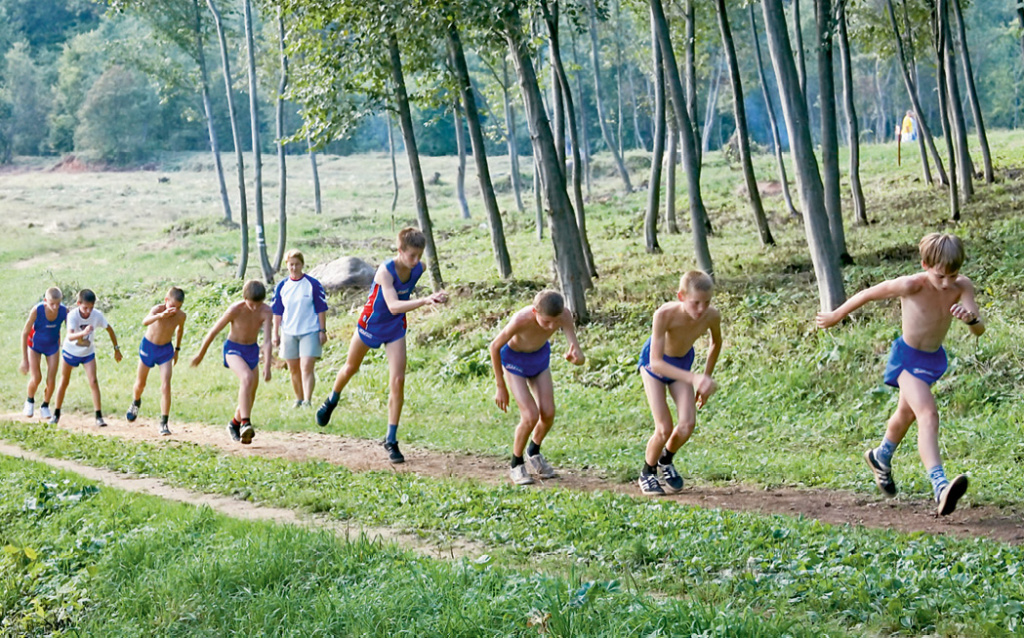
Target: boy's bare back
[
  {"x": 162, "y": 329},
  {"x": 247, "y": 322},
  {"x": 682, "y": 330},
  {"x": 928, "y": 309}
]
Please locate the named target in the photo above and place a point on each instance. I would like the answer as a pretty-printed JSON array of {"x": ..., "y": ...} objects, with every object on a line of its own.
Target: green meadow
[{"x": 796, "y": 407}]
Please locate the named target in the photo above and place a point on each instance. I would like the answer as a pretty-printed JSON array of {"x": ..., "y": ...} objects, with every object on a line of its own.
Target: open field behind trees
[{"x": 795, "y": 407}]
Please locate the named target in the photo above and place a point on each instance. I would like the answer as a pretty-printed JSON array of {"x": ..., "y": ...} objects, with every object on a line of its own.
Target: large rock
[{"x": 344, "y": 272}]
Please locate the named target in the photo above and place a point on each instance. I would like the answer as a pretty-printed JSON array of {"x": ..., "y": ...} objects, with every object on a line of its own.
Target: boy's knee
[
  {"x": 547, "y": 414},
  {"x": 686, "y": 426},
  {"x": 348, "y": 370},
  {"x": 529, "y": 416},
  {"x": 398, "y": 382}
]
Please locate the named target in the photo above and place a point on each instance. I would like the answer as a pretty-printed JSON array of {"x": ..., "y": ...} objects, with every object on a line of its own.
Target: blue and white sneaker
[
  {"x": 883, "y": 475},
  {"x": 132, "y": 413},
  {"x": 650, "y": 485},
  {"x": 951, "y": 494},
  {"x": 673, "y": 482}
]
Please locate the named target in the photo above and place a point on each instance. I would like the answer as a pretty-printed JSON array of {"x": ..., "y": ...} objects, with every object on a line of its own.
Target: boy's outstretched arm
[
  {"x": 177, "y": 341},
  {"x": 501, "y": 395},
  {"x": 214, "y": 331},
  {"x": 113, "y": 340},
  {"x": 268, "y": 350},
  {"x": 967, "y": 310},
  {"x": 715, "y": 328},
  {"x": 575, "y": 352},
  {"x": 889, "y": 289},
  {"x": 395, "y": 305},
  {"x": 26, "y": 331}
]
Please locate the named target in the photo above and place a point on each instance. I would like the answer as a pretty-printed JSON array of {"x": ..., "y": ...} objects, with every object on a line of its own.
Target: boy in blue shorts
[
  {"x": 930, "y": 300},
  {"x": 162, "y": 323},
  {"x": 248, "y": 318},
  {"x": 665, "y": 363},
  {"x": 382, "y": 323},
  {"x": 79, "y": 349},
  {"x": 41, "y": 339},
  {"x": 523, "y": 350}
]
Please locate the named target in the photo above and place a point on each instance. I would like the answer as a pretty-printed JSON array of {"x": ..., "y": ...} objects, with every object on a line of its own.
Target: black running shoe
[
  {"x": 234, "y": 431},
  {"x": 883, "y": 475},
  {"x": 951, "y": 494},
  {"x": 164, "y": 430},
  {"x": 323, "y": 414},
  {"x": 394, "y": 454},
  {"x": 649, "y": 485},
  {"x": 673, "y": 481},
  {"x": 247, "y": 433}
]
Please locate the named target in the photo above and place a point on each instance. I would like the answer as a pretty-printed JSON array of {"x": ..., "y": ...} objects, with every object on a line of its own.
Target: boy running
[
  {"x": 39, "y": 339},
  {"x": 242, "y": 352},
  {"x": 523, "y": 350},
  {"x": 665, "y": 363},
  {"x": 383, "y": 323},
  {"x": 162, "y": 322},
  {"x": 929, "y": 301},
  {"x": 79, "y": 349}
]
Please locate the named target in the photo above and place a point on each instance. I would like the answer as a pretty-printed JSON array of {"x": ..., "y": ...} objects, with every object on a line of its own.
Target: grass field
[{"x": 795, "y": 408}]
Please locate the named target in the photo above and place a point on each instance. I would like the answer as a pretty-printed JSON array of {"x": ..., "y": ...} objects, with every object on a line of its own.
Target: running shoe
[
  {"x": 649, "y": 485},
  {"x": 132, "y": 413},
  {"x": 883, "y": 475},
  {"x": 100, "y": 423},
  {"x": 539, "y": 465},
  {"x": 951, "y": 494},
  {"x": 394, "y": 454},
  {"x": 246, "y": 433},
  {"x": 673, "y": 481},
  {"x": 234, "y": 431},
  {"x": 164, "y": 430},
  {"x": 520, "y": 476},
  {"x": 30, "y": 408},
  {"x": 323, "y": 414},
  {"x": 44, "y": 412}
]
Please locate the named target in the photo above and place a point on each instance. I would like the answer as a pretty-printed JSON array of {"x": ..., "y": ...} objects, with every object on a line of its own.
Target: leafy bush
[{"x": 115, "y": 118}]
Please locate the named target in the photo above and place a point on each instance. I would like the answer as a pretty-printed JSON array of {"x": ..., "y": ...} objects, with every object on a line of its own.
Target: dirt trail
[
  {"x": 247, "y": 510},
  {"x": 829, "y": 506}
]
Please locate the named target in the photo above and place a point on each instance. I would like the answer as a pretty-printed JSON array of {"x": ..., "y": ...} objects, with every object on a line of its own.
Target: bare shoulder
[
  {"x": 714, "y": 315},
  {"x": 964, "y": 283},
  {"x": 668, "y": 310},
  {"x": 181, "y": 315},
  {"x": 522, "y": 317},
  {"x": 234, "y": 309},
  {"x": 907, "y": 284}
]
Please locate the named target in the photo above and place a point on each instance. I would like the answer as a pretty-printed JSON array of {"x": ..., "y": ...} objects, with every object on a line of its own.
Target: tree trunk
[
  {"x": 812, "y": 195},
  {"x": 208, "y": 110},
  {"x": 394, "y": 170},
  {"x": 741, "y": 128},
  {"x": 618, "y": 83},
  {"x": 690, "y": 75},
  {"x": 460, "y": 144},
  {"x": 641, "y": 143},
  {"x": 859, "y": 207},
  {"x": 798, "y": 41},
  {"x": 601, "y": 113},
  {"x": 476, "y": 137},
  {"x": 712, "y": 105},
  {"x": 282, "y": 174},
  {"x": 972, "y": 93},
  {"x": 513, "y": 147},
  {"x": 584, "y": 126},
  {"x": 550, "y": 12},
  {"x": 557, "y": 107},
  {"x": 691, "y": 162},
  {"x": 409, "y": 137},
  {"x": 671, "y": 223},
  {"x": 538, "y": 203},
  {"x": 569, "y": 261},
  {"x": 955, "y": 107},
  {"x": 922, "y": 126},
  {"x": 257, "y": 154},
  {"x": 243, "y": 216},
  {"x": 939, "y": 39},
  {"x": 316, "y": 174},
  {"x": 772, "y": 121},
  {"x": 658, "y": 153},
  {"x": 829, "y": 129}
]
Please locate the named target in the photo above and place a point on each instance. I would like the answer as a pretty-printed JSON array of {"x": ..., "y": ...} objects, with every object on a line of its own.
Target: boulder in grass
[{"x": 344, "y": 272}]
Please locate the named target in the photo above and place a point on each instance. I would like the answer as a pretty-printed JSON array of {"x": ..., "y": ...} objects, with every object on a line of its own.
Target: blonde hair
[
  {"x": 549, "y": 303},
  {"x": 54, "y": 293},
  {"x": 411, "y": 237},
  {"x": 294, "y": 254},
  {"x": 942, "y": 250},
  {"x": 695, "y": 281},
  {"x": 254, "y": 290}
]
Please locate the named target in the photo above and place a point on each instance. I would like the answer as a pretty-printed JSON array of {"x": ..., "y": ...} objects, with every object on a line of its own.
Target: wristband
[
  {"x": 117, "y": 348},
  {"x": 323, "y": 330},
  {"x": 177, "y": 349},
  {"x": 974, "y": 321}
]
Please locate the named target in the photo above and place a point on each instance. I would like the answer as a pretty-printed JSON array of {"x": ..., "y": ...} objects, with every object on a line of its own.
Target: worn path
[{"x": 904, "y": 514}]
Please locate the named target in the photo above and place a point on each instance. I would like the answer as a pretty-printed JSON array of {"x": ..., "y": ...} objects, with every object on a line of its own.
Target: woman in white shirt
[{"x": 300, "y": 313}]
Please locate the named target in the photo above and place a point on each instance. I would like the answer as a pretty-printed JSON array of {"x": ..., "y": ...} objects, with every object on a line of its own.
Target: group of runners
[{"x": 520, "y": 354}]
